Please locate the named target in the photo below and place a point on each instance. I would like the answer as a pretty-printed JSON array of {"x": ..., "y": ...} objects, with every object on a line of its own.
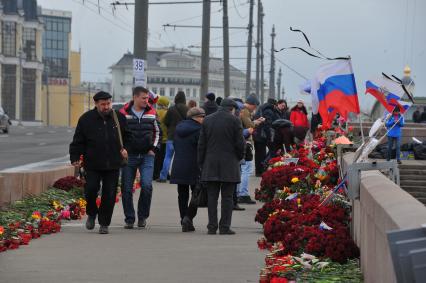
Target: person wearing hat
[
  {"x": 210, "y": 105},
  {"x": 250, "y": 105},
  {"x": 185, "y": 171},
  {"x": 162, "y": 107},
  {"x": 174, "y": 115},
  {"x": 299, "y": 118},
  {"x": 394, "y": 123},
  {"x": 144, "y": 144},
  {"x": 220, "y": 150},
  {"x": 96, "y": 138}
]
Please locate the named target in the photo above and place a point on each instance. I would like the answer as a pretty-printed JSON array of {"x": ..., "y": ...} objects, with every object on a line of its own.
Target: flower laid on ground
[
  {"x": 305, "y": 227},
  {"x": 35, "y": 216},
  {"x": 68, "y": 183}
]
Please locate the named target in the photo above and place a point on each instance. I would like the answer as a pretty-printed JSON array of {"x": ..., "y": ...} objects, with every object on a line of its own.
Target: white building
[{"x": 170, "y": 70}]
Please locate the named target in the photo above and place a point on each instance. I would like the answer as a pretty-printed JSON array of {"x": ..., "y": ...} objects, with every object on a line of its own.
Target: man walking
[
  {"x": 220, "y": 149},
  {"x": 97, "y": 139},
  {"x": 143, "y": 145}
]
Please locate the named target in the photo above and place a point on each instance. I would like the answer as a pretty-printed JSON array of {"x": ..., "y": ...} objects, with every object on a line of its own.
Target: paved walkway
[{"x": 160, "y": 253}]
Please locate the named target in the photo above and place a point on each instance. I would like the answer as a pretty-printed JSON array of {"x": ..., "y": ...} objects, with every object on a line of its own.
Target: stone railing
[
  {"x": 383, "y": 206},
  {"x": 16, "y": 185}
]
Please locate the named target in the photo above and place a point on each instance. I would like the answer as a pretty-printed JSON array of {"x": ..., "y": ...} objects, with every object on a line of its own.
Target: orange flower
[{"x": 1, "y": 230}]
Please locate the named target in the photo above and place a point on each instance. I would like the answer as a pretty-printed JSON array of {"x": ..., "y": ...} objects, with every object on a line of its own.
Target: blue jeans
[
  {"x": 170, "y": 150},
  {"x": 391, "y": 141},
  {"x": 246, "y": 171},
  {"x": 145, "y": 164}
]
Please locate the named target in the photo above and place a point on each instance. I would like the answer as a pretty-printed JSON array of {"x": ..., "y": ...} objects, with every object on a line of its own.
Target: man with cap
[
  {"x": 96, "y": 138},
  {"x": 220, "y": 150},
  {"x": 210, "y": 105},
  {"x": 145, "y": 143},
  {"x": 246, "y": 115}
]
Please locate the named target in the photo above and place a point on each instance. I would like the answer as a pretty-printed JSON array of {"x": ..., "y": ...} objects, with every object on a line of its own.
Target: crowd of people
[{"x": 214, "y": 146}]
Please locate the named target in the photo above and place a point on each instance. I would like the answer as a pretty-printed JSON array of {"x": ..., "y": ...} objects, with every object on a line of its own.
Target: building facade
[
  {"x": 170, "y": 70},
  {"x": 57, "y": 62},
  {"x": 21, "y": 64}
]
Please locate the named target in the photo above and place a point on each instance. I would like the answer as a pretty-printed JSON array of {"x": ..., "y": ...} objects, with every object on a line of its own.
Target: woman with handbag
[{"x": 185, "y": 170}]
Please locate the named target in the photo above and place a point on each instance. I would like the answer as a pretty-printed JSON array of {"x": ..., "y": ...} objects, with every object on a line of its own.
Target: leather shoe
[
  {"x": 238, "y": 208},
  {"x": 103, "y": 230},
  {"x": 187, "y": 225},
  {"x": 211, "y": 232},
  {"x": 142, "y": 223},
  {"x": 246, "y": 200},
  {"x": 227, "y": 232},
  {"x": 90, "y": 222},
  {"x": 128, "y": 226}
]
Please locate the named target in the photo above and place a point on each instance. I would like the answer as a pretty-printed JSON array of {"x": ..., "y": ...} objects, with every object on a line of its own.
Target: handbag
[
  {"x": 120, "y": 137},
  {"x": 200, "y": 194},
  {"x": 249, "y": 152}
]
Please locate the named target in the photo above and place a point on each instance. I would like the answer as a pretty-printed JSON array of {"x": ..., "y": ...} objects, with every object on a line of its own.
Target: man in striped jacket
[{"x": 142, "y": 147}]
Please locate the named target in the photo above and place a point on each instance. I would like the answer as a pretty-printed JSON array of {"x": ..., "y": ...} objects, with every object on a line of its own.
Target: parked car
[
  {"x": 118, "y": 105},
  {"x": 4, "y": 121}
]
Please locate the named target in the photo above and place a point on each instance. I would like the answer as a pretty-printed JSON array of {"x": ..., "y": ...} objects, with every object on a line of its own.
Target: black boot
[{"x": 187, "y": 225}]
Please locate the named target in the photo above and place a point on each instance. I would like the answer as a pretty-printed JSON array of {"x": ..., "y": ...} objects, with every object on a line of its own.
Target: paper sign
[
  {"x": 291, "y": 160},
  {"x": 139, "y": 72}
]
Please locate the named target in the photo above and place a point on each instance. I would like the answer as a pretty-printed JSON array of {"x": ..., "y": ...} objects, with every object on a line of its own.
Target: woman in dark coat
[{"x": 185, "y": 170}]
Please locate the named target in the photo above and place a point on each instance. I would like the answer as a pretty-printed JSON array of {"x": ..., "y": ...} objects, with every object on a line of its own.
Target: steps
[{"x": 413, "y": 180}]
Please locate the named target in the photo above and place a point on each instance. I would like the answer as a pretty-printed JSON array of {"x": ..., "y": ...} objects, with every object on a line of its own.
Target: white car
[{"x": 4, "y": 121}]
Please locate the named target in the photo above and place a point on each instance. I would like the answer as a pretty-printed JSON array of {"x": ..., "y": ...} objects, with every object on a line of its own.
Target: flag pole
[{"x": 359, "y": 115}]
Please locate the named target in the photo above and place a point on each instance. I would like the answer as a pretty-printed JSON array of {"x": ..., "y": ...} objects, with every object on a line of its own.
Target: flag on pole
[
  {"x": 388, "y": 93},
  {"x": 334, "y": 87}
]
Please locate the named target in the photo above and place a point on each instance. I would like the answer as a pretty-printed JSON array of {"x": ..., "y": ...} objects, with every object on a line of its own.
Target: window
[
  {"x": 154, "y": 90},
  {"x": 194, "y": 92},
  {"x": 172, "y": 92},
  {"x": 180, "y": 89},
  {"x": 29, "y": 91},
  {"x": 55, "y": 46},
  {"x": 162, "y": 91},
  {"x": 29, "y": 39},
  {"x": 188, "y": 92},
  {"x": 9, "y": 39}
]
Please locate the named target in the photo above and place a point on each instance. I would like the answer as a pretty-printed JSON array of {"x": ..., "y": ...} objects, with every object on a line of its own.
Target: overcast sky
[{"x": 380, "y": 35}]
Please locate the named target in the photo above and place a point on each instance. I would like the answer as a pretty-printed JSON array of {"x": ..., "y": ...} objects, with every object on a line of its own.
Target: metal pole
[
  {"x": 272, "y": 70},
  {"x": 205, "y": 55},
  {"x": 21, "y": 82},
  {"x": 69, "y": 99},
  {"x": 262, "y": 66},
  {"x": 140, "y": 44},
  {"x": 258, "y": 50},
  {"x": 279, "y": 84},
  {"x": 226, "y": 49},
  {"x": 88, "y": 99},
  {"x": 249, "y": 47}
]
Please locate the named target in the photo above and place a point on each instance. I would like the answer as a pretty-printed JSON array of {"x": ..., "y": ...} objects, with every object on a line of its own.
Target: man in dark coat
[
  {"x": 210, "y": 105},
  {"x": 262, "y": 136},
  {"x": 174, "y": 115},
  {"x": 185, "y": 170},
  {"x": 220, "y": 150},
  {"x": 97, "y": 139},
  {"x": 145, "y": 143}
]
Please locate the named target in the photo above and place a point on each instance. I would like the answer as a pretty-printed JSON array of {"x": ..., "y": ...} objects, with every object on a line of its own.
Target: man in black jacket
[
  {"x": 97, "y": 139},
  {"x": 220, "y": 150},
  {"x": 210, "y": 106},
  {"x": 174, "y": 115},
  {"x": 146, "y": 135}
]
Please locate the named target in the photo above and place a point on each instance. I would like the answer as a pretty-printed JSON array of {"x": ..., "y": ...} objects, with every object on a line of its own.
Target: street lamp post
[
  {"x": 21, "y": 87},
  {"x": 407, "y": 81}
]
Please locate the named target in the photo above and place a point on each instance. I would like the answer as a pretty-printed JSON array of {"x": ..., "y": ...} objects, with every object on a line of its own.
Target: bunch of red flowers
[
  {"x": 297, "y": 226},
  {"x": 269, "y": 207},
  {"x": 279, "y": 177},
  {"x": 68, "y": 183}
]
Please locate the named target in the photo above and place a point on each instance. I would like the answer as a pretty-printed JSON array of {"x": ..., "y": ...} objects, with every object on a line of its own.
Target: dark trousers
[
  {"x": 227, "y": 191},
  {"x": 259, "y": 157},
  {"x": 183, "y": 198},
  {"x": 109, "y": 181},
  {"x": 158, "y": 162}
]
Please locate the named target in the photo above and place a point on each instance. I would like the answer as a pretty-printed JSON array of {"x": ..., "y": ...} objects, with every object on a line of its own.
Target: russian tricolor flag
[
  {"x": 388, "y": 93},
  {"x": 335, "y": 89}
]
